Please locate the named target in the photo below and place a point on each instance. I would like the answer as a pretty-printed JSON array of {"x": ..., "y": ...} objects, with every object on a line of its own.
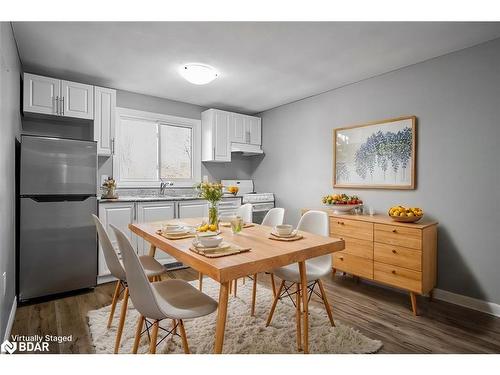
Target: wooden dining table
[{"x": 265, "y": 255}]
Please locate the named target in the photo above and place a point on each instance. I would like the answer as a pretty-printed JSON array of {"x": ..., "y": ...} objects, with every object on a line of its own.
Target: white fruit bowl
[{"x": 342, "y": 209}]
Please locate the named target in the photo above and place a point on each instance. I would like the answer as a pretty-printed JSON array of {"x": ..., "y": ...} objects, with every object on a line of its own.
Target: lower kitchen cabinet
[
  {"x": 120, "y": 214},
  {"x": 195, "y": 208},
  {"x": 154, "y": 211}
]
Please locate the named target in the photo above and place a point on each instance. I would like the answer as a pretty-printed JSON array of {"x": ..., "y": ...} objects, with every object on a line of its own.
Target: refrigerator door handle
[{"x": 58, "y": 198}]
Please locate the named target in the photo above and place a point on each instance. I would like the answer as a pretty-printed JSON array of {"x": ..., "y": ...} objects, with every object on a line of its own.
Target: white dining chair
[
  {"x": 152, "y": 268},
  {"x": 245, "y": 211},
  {"x": 315, "y": 222},
  {"x": 168, "y": 299},
  {"x": 273, "y": 217}
]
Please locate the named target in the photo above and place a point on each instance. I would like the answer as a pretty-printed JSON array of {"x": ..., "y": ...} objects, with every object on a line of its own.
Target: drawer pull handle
[
  {"x": 394, "y": 251},
  {"x": 341, "y": 258},
  {"x": 394, "y": 231},
  {"x": 394, "y": 272},
  {"x": 341, "y": 223}
]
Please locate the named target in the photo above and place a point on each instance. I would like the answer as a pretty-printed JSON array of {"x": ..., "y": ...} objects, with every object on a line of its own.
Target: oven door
[{"x": 260, "y": 210}]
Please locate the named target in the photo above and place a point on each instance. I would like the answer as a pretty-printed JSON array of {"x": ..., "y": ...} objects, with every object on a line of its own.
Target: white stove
[{"x": 261, "y": 202}]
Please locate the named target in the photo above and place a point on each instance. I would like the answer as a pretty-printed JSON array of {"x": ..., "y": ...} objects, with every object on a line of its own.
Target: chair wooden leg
[
  {"x": 123, "y": 313},
  {"x": 230, "y": 287},
  {"x": 275, "y": 302},
  {"x": 413, "y": 298},
  {"x": 254, "y": 294},
  {"x": 174, "y": 327},
  {"x": 235, "y": 286},
  {"x": 334, "y": 271},
  {"x": 305, "y": 305},
  {"x": 154, "y": 337},
  {"x": 325, "y": 302},
  {"x": 244, "y": 280},
  {"x": 183, "y": 336},
  {"x": 113, "y": 303},
  {"x": 200, "y": 281},
  {"x": 298, "y": 318},
  {"x": 273, "y": 285},
  {"x": 140, "y": 323}
]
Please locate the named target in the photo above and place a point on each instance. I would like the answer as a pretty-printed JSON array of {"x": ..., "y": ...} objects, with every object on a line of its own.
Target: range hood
[{"x": 246, "y": 149}]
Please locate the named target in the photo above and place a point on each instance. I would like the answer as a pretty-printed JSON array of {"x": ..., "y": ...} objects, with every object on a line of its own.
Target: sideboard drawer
[
  {"x": 360, "y": 248},
  {"x": 352, "y": 264},
  {"x": 397, "y": 276},
  {"x": 351, "y": 228},
  {"x": 398, "y": 235},
  {"x": 398, "y": 256}
]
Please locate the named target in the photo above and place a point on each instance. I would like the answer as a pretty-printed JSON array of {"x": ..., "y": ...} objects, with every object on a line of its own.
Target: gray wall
[
  {"x": 10, "y": 124},
  {"x": 456, "y": 99}
]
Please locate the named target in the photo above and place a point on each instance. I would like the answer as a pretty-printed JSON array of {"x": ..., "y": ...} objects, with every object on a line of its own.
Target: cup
[
  {"x": 236, "y": 224},
  {"x": 371, "y": 211}
]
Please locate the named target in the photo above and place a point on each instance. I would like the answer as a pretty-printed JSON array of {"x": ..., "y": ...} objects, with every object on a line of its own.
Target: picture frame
[{"x": 376, "y": 155}]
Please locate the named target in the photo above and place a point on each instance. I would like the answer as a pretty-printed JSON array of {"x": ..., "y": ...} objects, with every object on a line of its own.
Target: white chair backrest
[
  {"x": 316, "y": 222},
  {"x": 274, "y": 217},
  {"x": 110, "y": 255},
  {"x": 138, "y": 284},
  {"x": 245, "y": 212}
]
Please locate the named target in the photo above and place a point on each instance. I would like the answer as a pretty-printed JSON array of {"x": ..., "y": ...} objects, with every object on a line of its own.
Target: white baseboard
[
  {"x": 10, "y": 322},
  {"x": 469, "y": 302}
]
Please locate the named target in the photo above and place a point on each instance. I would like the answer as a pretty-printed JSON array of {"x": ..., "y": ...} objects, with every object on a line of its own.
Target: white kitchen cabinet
[
  {"x": 77, "y": 100},
  {"x": 104, "y": 120},
  {"x": 120, "y": 214},
  {"x": 51, "y": 96},
  {"x": 41, "y": 94},
  {"x": 150, "y": 212},
  {"x": 237, "y": 128},
  {"x": 216, "y": 145},
  {"x": 253, "y": 127},
  {"x": 195, "y": 208}
]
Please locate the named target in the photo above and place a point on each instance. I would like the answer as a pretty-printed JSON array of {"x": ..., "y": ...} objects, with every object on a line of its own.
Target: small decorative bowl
[
  {"x": 406, "y": 219},
  {"x": 283, "y": 229}
]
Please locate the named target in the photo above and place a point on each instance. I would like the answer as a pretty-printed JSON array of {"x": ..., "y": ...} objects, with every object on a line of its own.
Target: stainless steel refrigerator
[{"x": 58, "y": 248}]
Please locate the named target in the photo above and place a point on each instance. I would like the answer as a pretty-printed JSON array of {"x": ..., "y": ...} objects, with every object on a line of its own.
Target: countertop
[{"x": 155, "y": 198}]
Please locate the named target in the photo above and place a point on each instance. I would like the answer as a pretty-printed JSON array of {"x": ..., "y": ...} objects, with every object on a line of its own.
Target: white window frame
[{"x": 159, "y": 119}]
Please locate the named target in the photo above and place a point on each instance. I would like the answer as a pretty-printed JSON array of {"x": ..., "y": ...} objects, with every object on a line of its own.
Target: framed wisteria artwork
[{"x": 378, "y": 155}]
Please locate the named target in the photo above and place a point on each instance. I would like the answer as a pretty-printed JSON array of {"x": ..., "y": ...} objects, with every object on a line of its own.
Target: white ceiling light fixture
[{"x": 198, "y": 74}]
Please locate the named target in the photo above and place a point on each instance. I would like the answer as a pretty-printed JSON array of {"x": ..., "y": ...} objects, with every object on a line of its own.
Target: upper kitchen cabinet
[
  {"x": 215, "y": 144},
  {"x": 253, "y": 126},
  {"x": 245, "y": 129},
  {"x": 104, "y": 120},
  {"x": 50, "y": 96},
  {"x": 77, "y": 100},
  {"x": 41, "y": 94},
  {"x": 225, "y": 132}
]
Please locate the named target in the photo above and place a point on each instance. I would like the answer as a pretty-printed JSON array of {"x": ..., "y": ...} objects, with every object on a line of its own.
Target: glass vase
[{"x": 213, "y": 215}]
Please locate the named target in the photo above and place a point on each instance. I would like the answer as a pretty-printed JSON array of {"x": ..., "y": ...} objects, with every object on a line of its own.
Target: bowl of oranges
[{"x": 406, "y": 215}]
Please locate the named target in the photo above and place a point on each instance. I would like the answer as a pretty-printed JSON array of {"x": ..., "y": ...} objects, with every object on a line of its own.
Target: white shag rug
[{"x": 244, "y": 333}]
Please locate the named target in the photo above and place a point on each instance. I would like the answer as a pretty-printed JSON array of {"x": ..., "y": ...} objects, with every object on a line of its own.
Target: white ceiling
[{"x": 262, "y": 64}]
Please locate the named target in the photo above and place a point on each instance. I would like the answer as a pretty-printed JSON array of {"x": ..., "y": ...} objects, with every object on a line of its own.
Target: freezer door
[
  {"x": 58, "y": 245},
  {"x": 51, "y": 166}
]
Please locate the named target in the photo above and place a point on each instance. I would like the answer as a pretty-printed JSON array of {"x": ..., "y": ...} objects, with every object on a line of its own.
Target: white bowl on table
[
  {"x": 283, "y": 229},
  {"x": 209, "y": 241}
]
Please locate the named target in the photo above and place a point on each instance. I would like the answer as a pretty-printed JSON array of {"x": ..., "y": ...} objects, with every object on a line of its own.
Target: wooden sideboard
[{"x": 402, "y": 255}]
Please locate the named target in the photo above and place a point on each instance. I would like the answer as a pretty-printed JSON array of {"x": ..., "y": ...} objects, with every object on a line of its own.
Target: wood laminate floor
[{"x": 377, "y": 312}]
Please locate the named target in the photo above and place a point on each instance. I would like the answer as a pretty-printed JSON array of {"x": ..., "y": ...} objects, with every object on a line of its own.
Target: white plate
[{"x": 293, "y": 234}]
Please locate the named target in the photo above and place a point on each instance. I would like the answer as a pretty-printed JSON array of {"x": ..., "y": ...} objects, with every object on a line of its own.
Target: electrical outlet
[{"x": 4, "y": 284}]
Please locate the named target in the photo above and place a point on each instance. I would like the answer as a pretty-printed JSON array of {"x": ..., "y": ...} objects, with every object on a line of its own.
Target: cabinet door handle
[
  {"x": 394, "y": 231},
  {"x": 394, "y": 251},
  {"x": 112, "y": 146},
  {"x": 57, "y": 105},
  {"x": 62, "y": 106}
]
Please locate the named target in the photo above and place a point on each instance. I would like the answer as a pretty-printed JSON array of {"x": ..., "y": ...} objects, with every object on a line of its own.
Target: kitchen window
[{"x": 151, "y": 147}]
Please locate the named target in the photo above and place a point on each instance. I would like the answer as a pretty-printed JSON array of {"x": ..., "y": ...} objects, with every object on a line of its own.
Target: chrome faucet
[{"x": 164, "y": 185}]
